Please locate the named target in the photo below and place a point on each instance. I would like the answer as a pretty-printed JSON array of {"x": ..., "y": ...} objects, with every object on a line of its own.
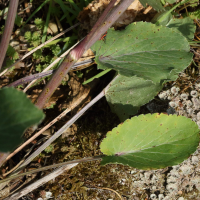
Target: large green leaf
[
  {"x": 151, "y": 141},
  {"x": 17, "y": 113},
  {"x": 146, "y": 50},
  {"x": 186, "y": 26},
  {"x": 126, "y": 94}
]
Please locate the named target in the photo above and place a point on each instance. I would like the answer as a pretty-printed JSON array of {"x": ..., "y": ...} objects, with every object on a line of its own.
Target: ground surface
[{"x": 91, "y": 180}]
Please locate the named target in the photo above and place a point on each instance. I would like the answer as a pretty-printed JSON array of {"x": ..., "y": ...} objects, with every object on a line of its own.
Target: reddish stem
[
  {"x": 109, "y": 16},
  {"x": 8, "y": 29}
]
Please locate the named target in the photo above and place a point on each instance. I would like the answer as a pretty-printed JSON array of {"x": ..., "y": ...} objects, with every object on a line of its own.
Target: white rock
[
  {"x": 154, "y": 188},
  {"x": 175, "y": 174},
  {"x": 172, "y": 187},
  {"x": 194, "y": 93},
  {"x": 175, "y": 90},
  {"x": 49, "y": 195},
  {"x": 180, "y": 198},
  {"x": 162, "y": 95},
  {"x": 171, "y": 179},
  {"x": 195, "y": 159},
  {"x": 153, "y": 196},
  {"x": 160, "y": 197},
  {"x": 186, "y": 169},
  {"x": 184, "y": 96},
  {"x": 40, "y": 198},
  {"x": 196, "y": 103},
  {"x": 173, "y": 104}
]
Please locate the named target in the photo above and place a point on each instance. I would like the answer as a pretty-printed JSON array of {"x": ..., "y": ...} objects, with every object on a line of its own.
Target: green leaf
[
  {"x": 171, "y": 1},
  {"x": 186, "y": 26},
  {"x": 18, "y": 20},
  {"x": 146, "y": 50},
  {"x": 156, "y": 4},
  {"x": 17, "y": 114},
  {"x": 158, "y": 18},
  {"x": 126, "y": 94},
  {"x": 11, "y": 52},
  {"x": 151, "y": 141}
]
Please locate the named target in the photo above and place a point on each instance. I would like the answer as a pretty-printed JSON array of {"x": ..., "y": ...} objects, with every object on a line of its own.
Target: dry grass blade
[{"x": 40, "y": 182}]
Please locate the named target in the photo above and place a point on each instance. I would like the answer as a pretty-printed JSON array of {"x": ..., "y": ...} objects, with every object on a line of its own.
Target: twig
[
  {"x": 88, "y": 159},
  {"x": 40, "y": 182},
  {"x": 8, "y": 29},
  {"x": 44, "y": 74},
  {"x": 40, "y": 46}
]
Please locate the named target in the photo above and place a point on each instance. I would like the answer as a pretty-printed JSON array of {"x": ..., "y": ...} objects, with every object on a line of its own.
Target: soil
[{"x": 91, "y": 180}]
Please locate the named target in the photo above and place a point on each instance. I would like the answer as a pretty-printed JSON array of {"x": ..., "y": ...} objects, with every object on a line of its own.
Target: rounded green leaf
[
  {"x": 17, "y": 113},
  {"x": 151, "y": 141},
  {"x": 146, "y": 50},
  {"x": 126, "y": 94}
]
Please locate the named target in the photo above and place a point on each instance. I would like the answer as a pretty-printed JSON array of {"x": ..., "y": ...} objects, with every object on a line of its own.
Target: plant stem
[
  {"x": 109, "y": 16},
  {"x": 60, "y": 131},
  {"x": 54, "y": 166},
  {"x": 43, "y": 74},
  {"x": 8, "y": 29}
]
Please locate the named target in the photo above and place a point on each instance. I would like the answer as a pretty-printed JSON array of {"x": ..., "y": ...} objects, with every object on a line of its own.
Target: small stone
[
  {"x": 175, "y": 90},
  {"x": 194, "y": 93},
  {"x": 171, "y": 179},
  {"x": 173, "y": 104},
  {"x": 197, "y": 86},
  {"x": 162, "y": 95},
  {"x": 154, "y": 187},
  {"x": 175, "y": 174},
  {"x": 160, "y": 197},
  {"x": 48, "y": 195},
  {"x": 180, "y": 198},
  {"x": 196, "y": 103},
  {"x": 186, "y": 169},
  {"x": 189, "y": 103},
  {"x": 172, "y": 187},
  {"x": 180, "y": 192},
  {"x": 195, "y": 159},
  {"x": 184, "y": 96},
  {"x": 190, "y": 111},
  {"x": 40, "y": 198},
  {"x": 153, "y": 196},
  {"x": 133, "y": 171}
]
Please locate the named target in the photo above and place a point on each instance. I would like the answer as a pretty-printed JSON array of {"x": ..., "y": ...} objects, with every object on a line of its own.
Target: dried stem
[
  {"x": 88, "y": 159},
  {"x": 8, "y": 29},
  {"x": 109, "y": 16},
  {"x": 43, "y": 74},
  {"x": 40, "y": 182}
]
